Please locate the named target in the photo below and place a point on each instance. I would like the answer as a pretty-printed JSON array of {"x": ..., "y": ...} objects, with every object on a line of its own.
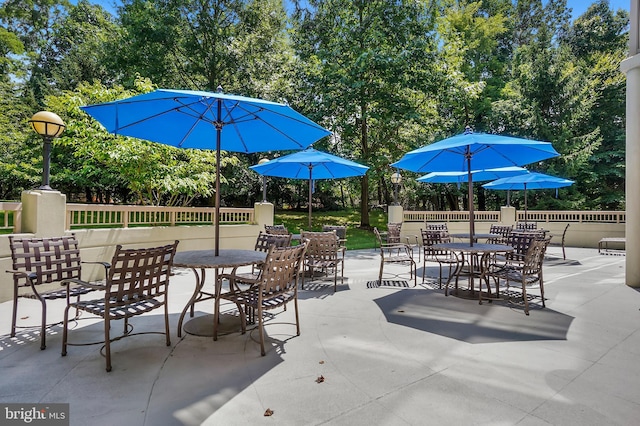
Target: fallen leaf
[
  {"x": 320, "y": 379},
  {"x": 268, "y": 413}
]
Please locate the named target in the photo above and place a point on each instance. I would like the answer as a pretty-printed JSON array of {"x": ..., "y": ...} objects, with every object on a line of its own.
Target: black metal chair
[
  {"x": 276, "y": 286},
  {"x": 396, "y": 253},
  {"x": 526, "y": 271},
  {"x": 442, "y": 257},
  {"x": 137, "y": 282},
  {"x": 39, "y": 267}
]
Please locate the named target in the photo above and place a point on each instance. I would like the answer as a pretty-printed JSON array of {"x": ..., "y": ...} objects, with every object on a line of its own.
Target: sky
[{"x": 578, "y": 6}]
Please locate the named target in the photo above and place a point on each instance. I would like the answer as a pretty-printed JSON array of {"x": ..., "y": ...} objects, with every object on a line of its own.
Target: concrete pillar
[
  {"x": 263, "y": 214},
  {"x": 507, "y": 215},
  {"x": 44, "y": 213},
  {"x": 396, "y": 214},
  {"x": 631, "y": 67}
]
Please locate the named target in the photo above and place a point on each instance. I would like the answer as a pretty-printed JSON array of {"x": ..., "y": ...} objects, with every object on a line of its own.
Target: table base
[{"x": 203, "y": 325}]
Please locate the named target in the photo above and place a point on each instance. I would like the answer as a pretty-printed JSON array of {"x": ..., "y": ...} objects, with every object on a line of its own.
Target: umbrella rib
[
  {"x": 287, "y": 136},
  {"x": 180, "y": 109}
]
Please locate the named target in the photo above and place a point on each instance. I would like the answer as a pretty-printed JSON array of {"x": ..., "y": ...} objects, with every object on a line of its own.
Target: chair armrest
[
  {"x": 408, "y": 237},
  {"x": 95, "y": 286},
  {"x": 19, "y": 274}
]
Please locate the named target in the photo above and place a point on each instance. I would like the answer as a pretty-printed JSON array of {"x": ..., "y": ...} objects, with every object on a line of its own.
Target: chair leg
[
  {"x": 524, "y": 295},
  {"x": 415, "y": 274},
  {"x": 43, "y": 328},
  {"x": 216, "y": 317},
  {"x": 65, "y": 330},
  {"x": 295, "y": 306},
  {"x": 381, "y": 269},
  {"x": 107, "y": 341},
  {"x": 261, "y": 330},
  {"x": 15, "y": 313},
  {"x": 166, "y": 323}
]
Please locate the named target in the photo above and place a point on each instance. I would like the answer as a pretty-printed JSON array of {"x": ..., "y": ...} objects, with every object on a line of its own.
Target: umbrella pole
[
  {"x": 525, "y": 203},
  {"x": 472, "y": 230},
  {"x": 216, "y": 219},
  {"x": 310, "y": 194}
]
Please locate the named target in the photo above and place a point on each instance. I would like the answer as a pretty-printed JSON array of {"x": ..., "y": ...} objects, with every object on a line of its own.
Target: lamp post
[
  {"x": 264, "y": 181},
  {"x": 396, "y": 178},
  {"x": 48, "y": 125}
]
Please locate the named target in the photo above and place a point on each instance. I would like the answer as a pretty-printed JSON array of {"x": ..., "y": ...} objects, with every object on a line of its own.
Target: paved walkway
[{"x": 389, "y": 355}]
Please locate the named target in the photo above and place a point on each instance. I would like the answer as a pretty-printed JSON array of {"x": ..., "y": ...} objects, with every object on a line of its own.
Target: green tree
[
  {"x": 108, "y": 168},
  {"x": 366, "y": 65},
  {"x": 79, "y": 50},
  {"x": 240, "y": 45},
  {"x": 598, "y": 40}
]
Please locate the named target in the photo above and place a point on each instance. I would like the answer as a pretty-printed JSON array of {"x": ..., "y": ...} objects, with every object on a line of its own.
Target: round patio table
[
  {"x": 466, "y": 235},
  {"x": 199, "y": 261},
  {"x": 478, "y": 259}
]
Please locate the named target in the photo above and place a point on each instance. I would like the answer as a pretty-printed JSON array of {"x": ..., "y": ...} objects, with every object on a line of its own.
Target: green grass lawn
[{"x": 357, "y": 238}]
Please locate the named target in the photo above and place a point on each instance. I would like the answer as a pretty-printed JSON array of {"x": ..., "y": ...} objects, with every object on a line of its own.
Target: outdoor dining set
[
  {"x": 509, "y": 255},
  {"x": 136, "y": 281}
]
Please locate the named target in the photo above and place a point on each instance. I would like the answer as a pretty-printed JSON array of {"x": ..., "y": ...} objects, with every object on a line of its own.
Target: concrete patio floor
[{"x": 389, "y": 355}]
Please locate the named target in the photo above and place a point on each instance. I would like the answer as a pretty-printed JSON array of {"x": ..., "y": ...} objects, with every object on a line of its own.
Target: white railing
[
  {"x": 10, "y": 216},
  {"x": 532, "y": 216},
  {"x": 107, "y": 215}
]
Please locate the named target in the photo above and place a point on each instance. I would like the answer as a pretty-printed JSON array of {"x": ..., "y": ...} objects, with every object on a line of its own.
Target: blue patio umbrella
[
  {"x": 207, "y": 120},
  {"x": 531, "y": 180},
  {"x": 478, "y": 175},
  {"x": 310, "y": 164},
  {"x": 475, "y": 151}
]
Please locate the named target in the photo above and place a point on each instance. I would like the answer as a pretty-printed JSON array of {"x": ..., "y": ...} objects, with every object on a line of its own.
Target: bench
[{"x": 603, "y": 245}]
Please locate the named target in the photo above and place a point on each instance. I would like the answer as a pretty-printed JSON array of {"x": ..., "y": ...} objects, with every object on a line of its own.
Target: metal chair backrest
[
  {"x": 281, "y": 270},
  {"x": 46, "y": 260},
  {"x": 322, "y": 245},
  {"x": 393, "y": 232},
  {"x": 534, "y": 257},
  {"x": 138, "y": 274},
  {"x": 276, "y": 229},
  {"x": 264, "y": 241},
  {"x": 433, "y": 237},
  {"x": 437, "y": 226},
  {"x": 341, "y": 232},
  {"x": 520, "y": 241},
  {"x": 502, "y": 230},
  {"x": 527, "y": 226}
]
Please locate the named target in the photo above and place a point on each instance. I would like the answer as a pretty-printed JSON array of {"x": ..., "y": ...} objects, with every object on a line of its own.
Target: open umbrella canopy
[
  {"x": 531, "y": 180},
  {"x": 191, "y": 119},
  {"x": 475, "y": 151},
  {"x": 478, "y": 175},
  {"x": 310, "y": 164},
  {"x": 207, "y": 120}
]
